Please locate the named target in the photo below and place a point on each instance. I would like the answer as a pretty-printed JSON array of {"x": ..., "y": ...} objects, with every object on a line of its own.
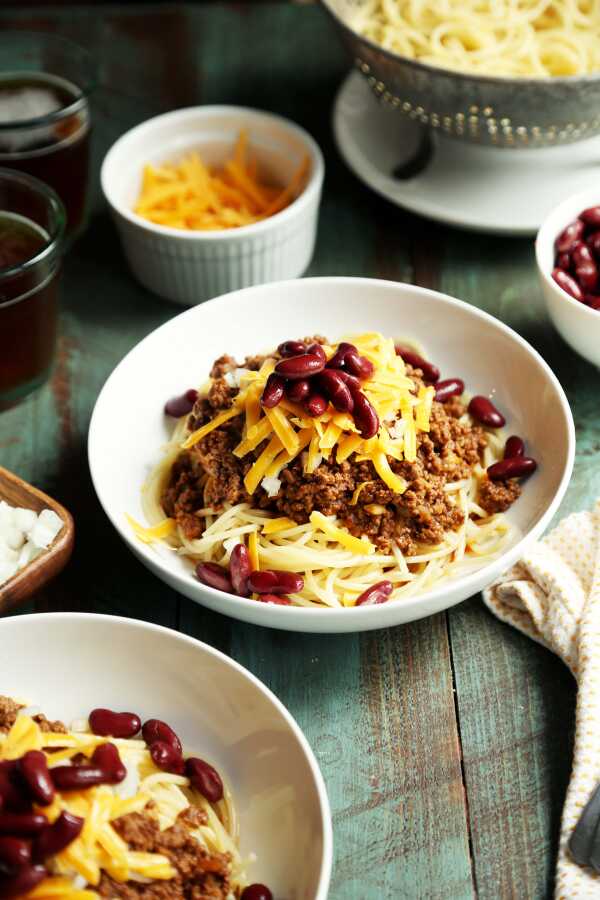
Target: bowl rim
[
  {"x": 547, "y": 234},
  {"x": 460, "y": 75},
  {"x": 319, "y": 781},
  {"x": 365, "y": 617},
  {"x": 311, "y": 188}
]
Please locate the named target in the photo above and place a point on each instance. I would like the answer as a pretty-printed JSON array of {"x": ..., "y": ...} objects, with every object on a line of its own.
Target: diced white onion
[
  {"x": 24, "y": 535},
  {"x": 271, "y": 485},
  {"x": 234, "y": 377}
]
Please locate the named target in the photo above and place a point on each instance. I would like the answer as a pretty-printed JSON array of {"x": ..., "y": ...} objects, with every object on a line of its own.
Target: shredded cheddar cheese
[
  {"x": 98, "y": 846},
  {"x": 155, "y": 533},
  {"x": 402, "y": 413},
  {"x": 361, "y": 546},
  {"x": 272, "y": 526},
  {"x": 193, "y": 196}
]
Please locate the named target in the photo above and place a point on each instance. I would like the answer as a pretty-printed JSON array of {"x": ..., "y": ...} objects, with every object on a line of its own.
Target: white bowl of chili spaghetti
[
  {"x": 65, "y": 665},
  {"x": 464, "y": 342}
]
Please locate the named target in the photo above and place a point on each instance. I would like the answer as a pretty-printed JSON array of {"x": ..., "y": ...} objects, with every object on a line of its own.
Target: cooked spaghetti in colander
[{"x": 517, "y": 38}]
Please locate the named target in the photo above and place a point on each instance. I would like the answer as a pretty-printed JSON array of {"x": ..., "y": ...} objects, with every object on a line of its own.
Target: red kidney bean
[
  {"x": 351, "y": 380},
  {"x": 204, "y": 778},
  {"x": 107, "y": 723},
  {"x": 239, "y": 569},
  {"x": 336, "y": 390},
  {"x": 78, "y": 778},
  {"x": 292, "y": 348},
  {"x": 592, "y": 300},
  {"x": 33, "y": 769},
  {"x": 581, "y": 254},
  {"x": 57, "y": 836},
  {"x": 22, "y": 824},
  {"x": 256, "y": 892},
  {"x": 515, "y": 467},
  {"x": 14, "y": 852},
  {"x": 482, "y": 409},
  {"x": 300, "y": 366},
  {"x": 563, "y": 261},
  {"x": 364, "y": 415},
  {"x": 593, "y": 242},
  {"x": 278, "y": 599},
  {"x": 358, "y": 365},
  {"x": 107, "y": 758},
  {"x": 23, "y": 881},
  {"x": 182, "y": 405},
  {"x": 377, "y": 593},
  {"x": 271, "y": 581},
  {"x": 273, "y": 391},
  {"x": 288, "y": 583},
  {"x": 262, "y": 582},
  {"x": 430, "y": 372},
  {"x": 514, "y": 447},
  {"x": 298, "y": 390},
  {"x": 317, "y": 350},
  {"x": 569, "y": 236},
  {"x": 166, "y": 757},
  {"x": 214, "y": 576},
  {"x": 587, "y": 276},
  {"x": 337, "y": 360},
  {"x": 154, "y": 730},
  {"x": 567, "y": 283},
  {"x": 591, "y": 216},
  {"x": 450, "y": 387},
  {"x": 315, "y": 405},
  {"x": 12, "y": 792}
]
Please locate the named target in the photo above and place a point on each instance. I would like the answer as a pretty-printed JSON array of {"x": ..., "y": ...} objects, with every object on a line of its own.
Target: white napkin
[{"x": 553, "y": 596}]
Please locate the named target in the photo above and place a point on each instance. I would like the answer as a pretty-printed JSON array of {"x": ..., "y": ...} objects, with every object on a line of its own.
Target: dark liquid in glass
[
  {"x": 56, "y": 152},
  {"x": 28, "y": 308}
]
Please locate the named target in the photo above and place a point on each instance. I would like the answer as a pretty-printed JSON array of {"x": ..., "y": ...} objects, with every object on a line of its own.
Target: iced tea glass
[
  {"x": 45, "y": 85},
  {"x": 32, "y": 228}
]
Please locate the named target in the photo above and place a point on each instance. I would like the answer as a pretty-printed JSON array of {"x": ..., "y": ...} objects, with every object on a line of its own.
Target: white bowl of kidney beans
[
  {"x": 472, "y": 351},
  {"x": 568, "y": 259},
  {"x": 181, "y": 697}
]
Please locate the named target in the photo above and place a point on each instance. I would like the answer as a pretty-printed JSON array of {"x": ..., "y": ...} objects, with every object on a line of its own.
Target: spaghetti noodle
[
  {"x": 516, "y": 38},
  {"x": 313, "y": 497}
]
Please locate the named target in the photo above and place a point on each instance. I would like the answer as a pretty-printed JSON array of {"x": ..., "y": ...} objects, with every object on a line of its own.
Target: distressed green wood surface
[{"x": 445, "y": 744}]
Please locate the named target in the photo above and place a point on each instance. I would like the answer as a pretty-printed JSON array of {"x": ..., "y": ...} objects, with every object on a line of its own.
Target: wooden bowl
[{"x": 50, "y": 562}]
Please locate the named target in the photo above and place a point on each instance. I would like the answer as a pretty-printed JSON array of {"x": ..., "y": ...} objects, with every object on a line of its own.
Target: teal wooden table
[{"x": 445, "y": 744}]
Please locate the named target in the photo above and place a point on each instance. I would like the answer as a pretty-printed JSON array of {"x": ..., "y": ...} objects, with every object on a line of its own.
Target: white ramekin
[
  {"x": 188, "y": 267},
  {"x": 577, "y": 323}
]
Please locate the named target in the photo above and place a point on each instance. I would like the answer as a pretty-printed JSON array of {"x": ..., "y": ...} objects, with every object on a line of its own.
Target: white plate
[
  {"x": 128, "y": 426},
  {"x": 68, "y": 663},
  {"x": 499, "y": 191}
]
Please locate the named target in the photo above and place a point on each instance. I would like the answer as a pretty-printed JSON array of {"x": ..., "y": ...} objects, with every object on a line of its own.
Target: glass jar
[
  {"x": 45, "y": 84},
  {"x": 32, "y": 228}
]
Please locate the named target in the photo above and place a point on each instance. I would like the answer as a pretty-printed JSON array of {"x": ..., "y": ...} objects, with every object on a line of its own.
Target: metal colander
[{"x": 500, "y": 112}]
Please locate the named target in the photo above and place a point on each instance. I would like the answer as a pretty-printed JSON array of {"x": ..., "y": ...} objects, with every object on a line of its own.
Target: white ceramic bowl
[
  {"x": 188, "y": 267},
  {"x": 69, "y": 663},
  {"x": 578, "y": 324},
  {"x": 493, "y": 360}
]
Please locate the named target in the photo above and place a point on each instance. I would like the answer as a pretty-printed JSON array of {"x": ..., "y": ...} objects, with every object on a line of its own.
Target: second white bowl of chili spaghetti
[{"x": 331, "y": 454}]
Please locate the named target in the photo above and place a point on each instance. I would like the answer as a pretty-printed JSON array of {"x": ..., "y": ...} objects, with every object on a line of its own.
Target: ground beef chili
[
  {"x": 201, "y": 875},
  {"x": 9, "y": 710},
  {"x": 8, "y": 713},
  {"x": 210, "y": 475}
]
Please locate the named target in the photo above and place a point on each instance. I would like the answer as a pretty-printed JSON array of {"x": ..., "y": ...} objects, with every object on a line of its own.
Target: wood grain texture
[
  {"x": 516, "y": 719},
  {"x": 40, "y": 571},
  {"x": 444, "y": 744}
]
